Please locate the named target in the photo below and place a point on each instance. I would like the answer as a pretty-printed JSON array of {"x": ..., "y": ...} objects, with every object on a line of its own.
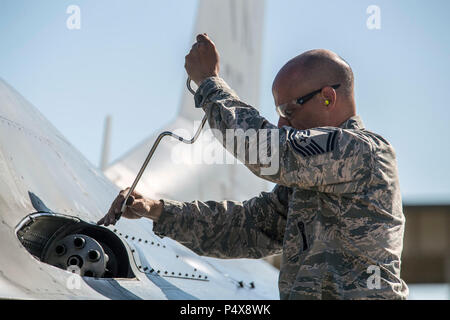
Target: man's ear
[{"x": 328, "y": 96}]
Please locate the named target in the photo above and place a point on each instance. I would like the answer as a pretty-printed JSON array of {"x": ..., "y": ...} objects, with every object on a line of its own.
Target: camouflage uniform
[{"x": 335, "y": 211}]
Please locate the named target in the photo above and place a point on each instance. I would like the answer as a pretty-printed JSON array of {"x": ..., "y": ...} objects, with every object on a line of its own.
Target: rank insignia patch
[{"x": 312, "y": 142}]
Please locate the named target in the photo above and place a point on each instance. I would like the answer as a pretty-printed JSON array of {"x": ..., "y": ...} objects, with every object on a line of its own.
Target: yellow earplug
[{"x": 327, "y": 102}]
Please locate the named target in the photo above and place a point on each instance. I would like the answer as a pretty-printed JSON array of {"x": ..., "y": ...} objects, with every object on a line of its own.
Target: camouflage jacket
[{"x": 335, "y": 213}]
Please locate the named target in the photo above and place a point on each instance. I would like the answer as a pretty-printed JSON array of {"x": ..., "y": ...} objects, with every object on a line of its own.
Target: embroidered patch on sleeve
[{"x": 312, "y": 142}]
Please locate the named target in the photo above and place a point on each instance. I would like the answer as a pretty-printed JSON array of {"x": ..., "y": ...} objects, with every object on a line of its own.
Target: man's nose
[{"x": 283, "y": 122}]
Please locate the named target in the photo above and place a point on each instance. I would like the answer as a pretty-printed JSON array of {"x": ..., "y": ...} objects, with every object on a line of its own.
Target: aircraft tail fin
[
  {"x": 236, "y": 29},
  {"x": 235, "y": 26}
]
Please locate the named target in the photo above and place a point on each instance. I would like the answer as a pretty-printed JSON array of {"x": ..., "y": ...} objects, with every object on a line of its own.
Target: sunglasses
[{"x": 284, "y": 111}]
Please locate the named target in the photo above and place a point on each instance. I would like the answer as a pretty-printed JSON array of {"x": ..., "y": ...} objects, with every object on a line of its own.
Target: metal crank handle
[
  {"x": 152, "y": 151},
  {"x": 188, "y": 84}
]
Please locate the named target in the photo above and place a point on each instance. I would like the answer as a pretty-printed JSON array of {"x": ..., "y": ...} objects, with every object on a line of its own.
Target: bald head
[
  {"x": 318, "y": 68},
  {"x": 313, "y": 70}
]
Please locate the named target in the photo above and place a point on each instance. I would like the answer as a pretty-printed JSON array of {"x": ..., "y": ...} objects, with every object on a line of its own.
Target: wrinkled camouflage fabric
[{"x": 334, "y": 212}]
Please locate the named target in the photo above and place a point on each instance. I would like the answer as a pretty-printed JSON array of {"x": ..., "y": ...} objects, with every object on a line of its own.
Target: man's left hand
[{"x": 203, "y": 60}]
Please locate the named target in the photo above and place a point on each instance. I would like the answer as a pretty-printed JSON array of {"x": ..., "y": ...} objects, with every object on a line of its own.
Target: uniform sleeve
[
  {"x": 228, "y": 229},
  {"x": 327, "y": 159}
]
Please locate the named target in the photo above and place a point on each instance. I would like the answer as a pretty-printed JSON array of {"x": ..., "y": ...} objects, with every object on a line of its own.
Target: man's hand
[
  {"x": 203, "y": 60},
  {"x": 137, "y": 207}
]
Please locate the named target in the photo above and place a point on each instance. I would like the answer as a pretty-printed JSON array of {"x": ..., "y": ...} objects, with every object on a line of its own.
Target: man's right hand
[{"x": 137, "y": 207}]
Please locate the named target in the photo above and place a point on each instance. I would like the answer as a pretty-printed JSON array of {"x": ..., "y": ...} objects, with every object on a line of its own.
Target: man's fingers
[
  {"x": 130, "y": 200},
  {"x": 101, "y": 221},
  {"x": 203, "y": 38},
  {"x": 139, "y": 206},
  {"x": 197, "y": 45},
  {"x": 114, "y": 211},
  {"x": 106, "y": 221},
  {"x": 137, "y": 195},
  {"x": 109, "y": 219}
]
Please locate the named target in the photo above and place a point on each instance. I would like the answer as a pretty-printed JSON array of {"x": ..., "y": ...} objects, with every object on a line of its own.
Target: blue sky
[{"x": 127, "y": 60}]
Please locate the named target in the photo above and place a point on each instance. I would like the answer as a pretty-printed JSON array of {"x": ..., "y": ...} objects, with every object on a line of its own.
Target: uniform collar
[{"x": 354, "y": 122}]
